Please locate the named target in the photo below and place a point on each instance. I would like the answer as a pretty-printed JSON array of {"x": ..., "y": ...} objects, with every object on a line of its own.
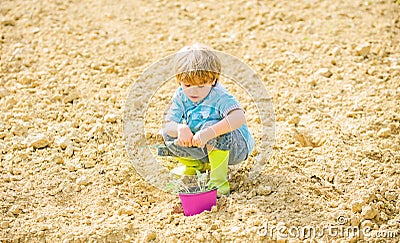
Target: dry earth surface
[{"x": 331, "y": 68}]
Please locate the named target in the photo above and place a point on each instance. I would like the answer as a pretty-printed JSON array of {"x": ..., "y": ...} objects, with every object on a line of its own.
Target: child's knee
[{"x": 166, "y": 137}]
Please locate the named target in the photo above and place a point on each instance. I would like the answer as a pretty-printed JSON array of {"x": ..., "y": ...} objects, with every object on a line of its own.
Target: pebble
[
  {"x": 128, "y": 210},
  {"x": 38, "y": 141},
  {"x": 295, "y": 119},
  {"x": 3, "y": 92},
  {"x": 235, "y": 229},
  {"x": 96, "y": 129},
  {"x": 216, "y": 235},
  {"x": 26, "y": 79},
  {"x": 63, "y": 142},
  {"x": 336, "y": 51},
  {"x": 391, "y": 195},
  {"x": 110, "y": 118},
  {"x": 8, "y": 22},
  {"x": 393, "y": 222},
  {"x": 71, "y": 97},
  {"x": 10, "y": 102},
  {"x": 199, "y": 237},
  {"x": 44, "y": 227},
  {"x": 368, "y": 212},
  {"x": 15, "y": 209},
  {"x": 83, "y": 181},
  {"x": 69, "y": 151},
  {"x": 366, "y": 223},
  {"x": 363, "y": 49},
  {"x": 355, "y": 220},
  {"x": 264, "y": 190},
  {"x": 384, "y": 132},
  {"x": 324, "y": 72},
  {"x": 89, "y": 163},
  {"x": 356, "y": 206},
  {"x": 150, "y": 235},
  {"x": 3, "y": 148},
  {"x": 4, "y": 224},
  {"x": 57, "y": 159}
]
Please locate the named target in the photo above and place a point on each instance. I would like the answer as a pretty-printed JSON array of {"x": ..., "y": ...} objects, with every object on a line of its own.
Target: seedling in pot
[
  {"x": 179, "y": 186},
  {"x": 194, "y": 199}
]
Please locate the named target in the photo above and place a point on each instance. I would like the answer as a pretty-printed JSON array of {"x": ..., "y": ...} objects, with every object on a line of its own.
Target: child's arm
[
  {"x": 171, "y": 129},
  {"x": 232, "y": 121},
  {"x": 181, "y": 131}
]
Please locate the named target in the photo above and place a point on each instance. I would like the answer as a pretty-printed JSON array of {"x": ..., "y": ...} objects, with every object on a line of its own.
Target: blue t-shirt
[{"x": 214, "y": 107}]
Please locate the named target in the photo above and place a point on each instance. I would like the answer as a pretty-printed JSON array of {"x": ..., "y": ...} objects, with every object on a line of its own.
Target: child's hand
[
  {"x": 185, "y": 136},
  {"x": 202, "y": 137}
]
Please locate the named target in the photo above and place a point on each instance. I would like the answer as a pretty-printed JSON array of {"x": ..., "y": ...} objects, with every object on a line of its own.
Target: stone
[
  {"x": 264, "y": 190},
  {"x": 126, "y": 210},
  {"x": 199, "y": 237},
  {"x": 235, "y": 229},
  {"x": 281, "y": 239},
  {"x": 57, "y": 159},
  {"x": 324, "y": 72},
  {"x": 336, "y": 51},
  {"x": 8, "y": 22},
  {"x": 44, "y": 227},
  {"x": 355, "y": 220},
  {"x": 10, "y": 102},
  {"x": 366, "y": 223},
  {"x": 295, "y": 119},
  {"x": 150, "y": 235},
  {"x": 363, "y": 49},
  {"x": 3, "y": 148},
  {"x": 368, "y": 212},
  {"x": 88, "y": 163},
  {"x": 69, "y": 151},
  {"x": 71, "y": 97},
  {"x": 390, "y": 195},
  {"x": 356, "y": 206},
  {"x": 26, "y": 79},
  {"x": 110, "y": 118},
  {"x": 384, "y": 132},
  {"x": 4, "y": 224},
  {"x": 63, "y": 142},
  {"x": 98, "y": 128},
  {"x": 83, "y": 181},
  {"x": 38, "y": 141},
  {"x": 3, "y": 92},
  {"x": 393, "y": 222},
  {"x": 15, "y": 209}
]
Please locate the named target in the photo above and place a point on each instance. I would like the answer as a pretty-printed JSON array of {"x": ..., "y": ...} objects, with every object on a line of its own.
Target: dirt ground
[{"x": 332, "y": 69}]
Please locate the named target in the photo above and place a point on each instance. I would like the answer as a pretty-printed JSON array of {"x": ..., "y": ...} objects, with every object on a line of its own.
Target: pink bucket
[{"x": 195, "y": 203}]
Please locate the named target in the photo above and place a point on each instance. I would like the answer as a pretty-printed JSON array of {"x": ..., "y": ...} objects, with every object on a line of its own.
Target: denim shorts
[{"x": 232, "y": 141}]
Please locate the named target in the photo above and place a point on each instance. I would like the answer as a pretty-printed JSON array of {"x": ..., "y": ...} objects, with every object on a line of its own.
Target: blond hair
[{"x": 197, "y": 65}]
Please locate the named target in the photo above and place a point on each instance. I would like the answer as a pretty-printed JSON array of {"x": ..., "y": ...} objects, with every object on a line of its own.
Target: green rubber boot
[
  {"x": 189, "y": 167},
  {"x": 219, "y": 171}
]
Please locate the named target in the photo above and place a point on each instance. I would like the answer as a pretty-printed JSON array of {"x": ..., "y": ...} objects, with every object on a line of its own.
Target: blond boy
[{"x": 205, "y": 125}]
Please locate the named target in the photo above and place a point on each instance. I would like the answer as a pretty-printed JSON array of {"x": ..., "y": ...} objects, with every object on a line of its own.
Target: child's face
[{"x": 196, "y": 93}]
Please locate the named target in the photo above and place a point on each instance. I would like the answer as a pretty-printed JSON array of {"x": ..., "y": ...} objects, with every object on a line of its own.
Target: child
[{"x": 205, "y": 125}]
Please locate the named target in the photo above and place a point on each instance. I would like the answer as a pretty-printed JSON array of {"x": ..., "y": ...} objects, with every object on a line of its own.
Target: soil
[{"x": 332, "y": 71}]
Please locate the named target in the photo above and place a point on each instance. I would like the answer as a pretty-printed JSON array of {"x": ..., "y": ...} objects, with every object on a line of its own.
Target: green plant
[{"x": 179, "y": 186}]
